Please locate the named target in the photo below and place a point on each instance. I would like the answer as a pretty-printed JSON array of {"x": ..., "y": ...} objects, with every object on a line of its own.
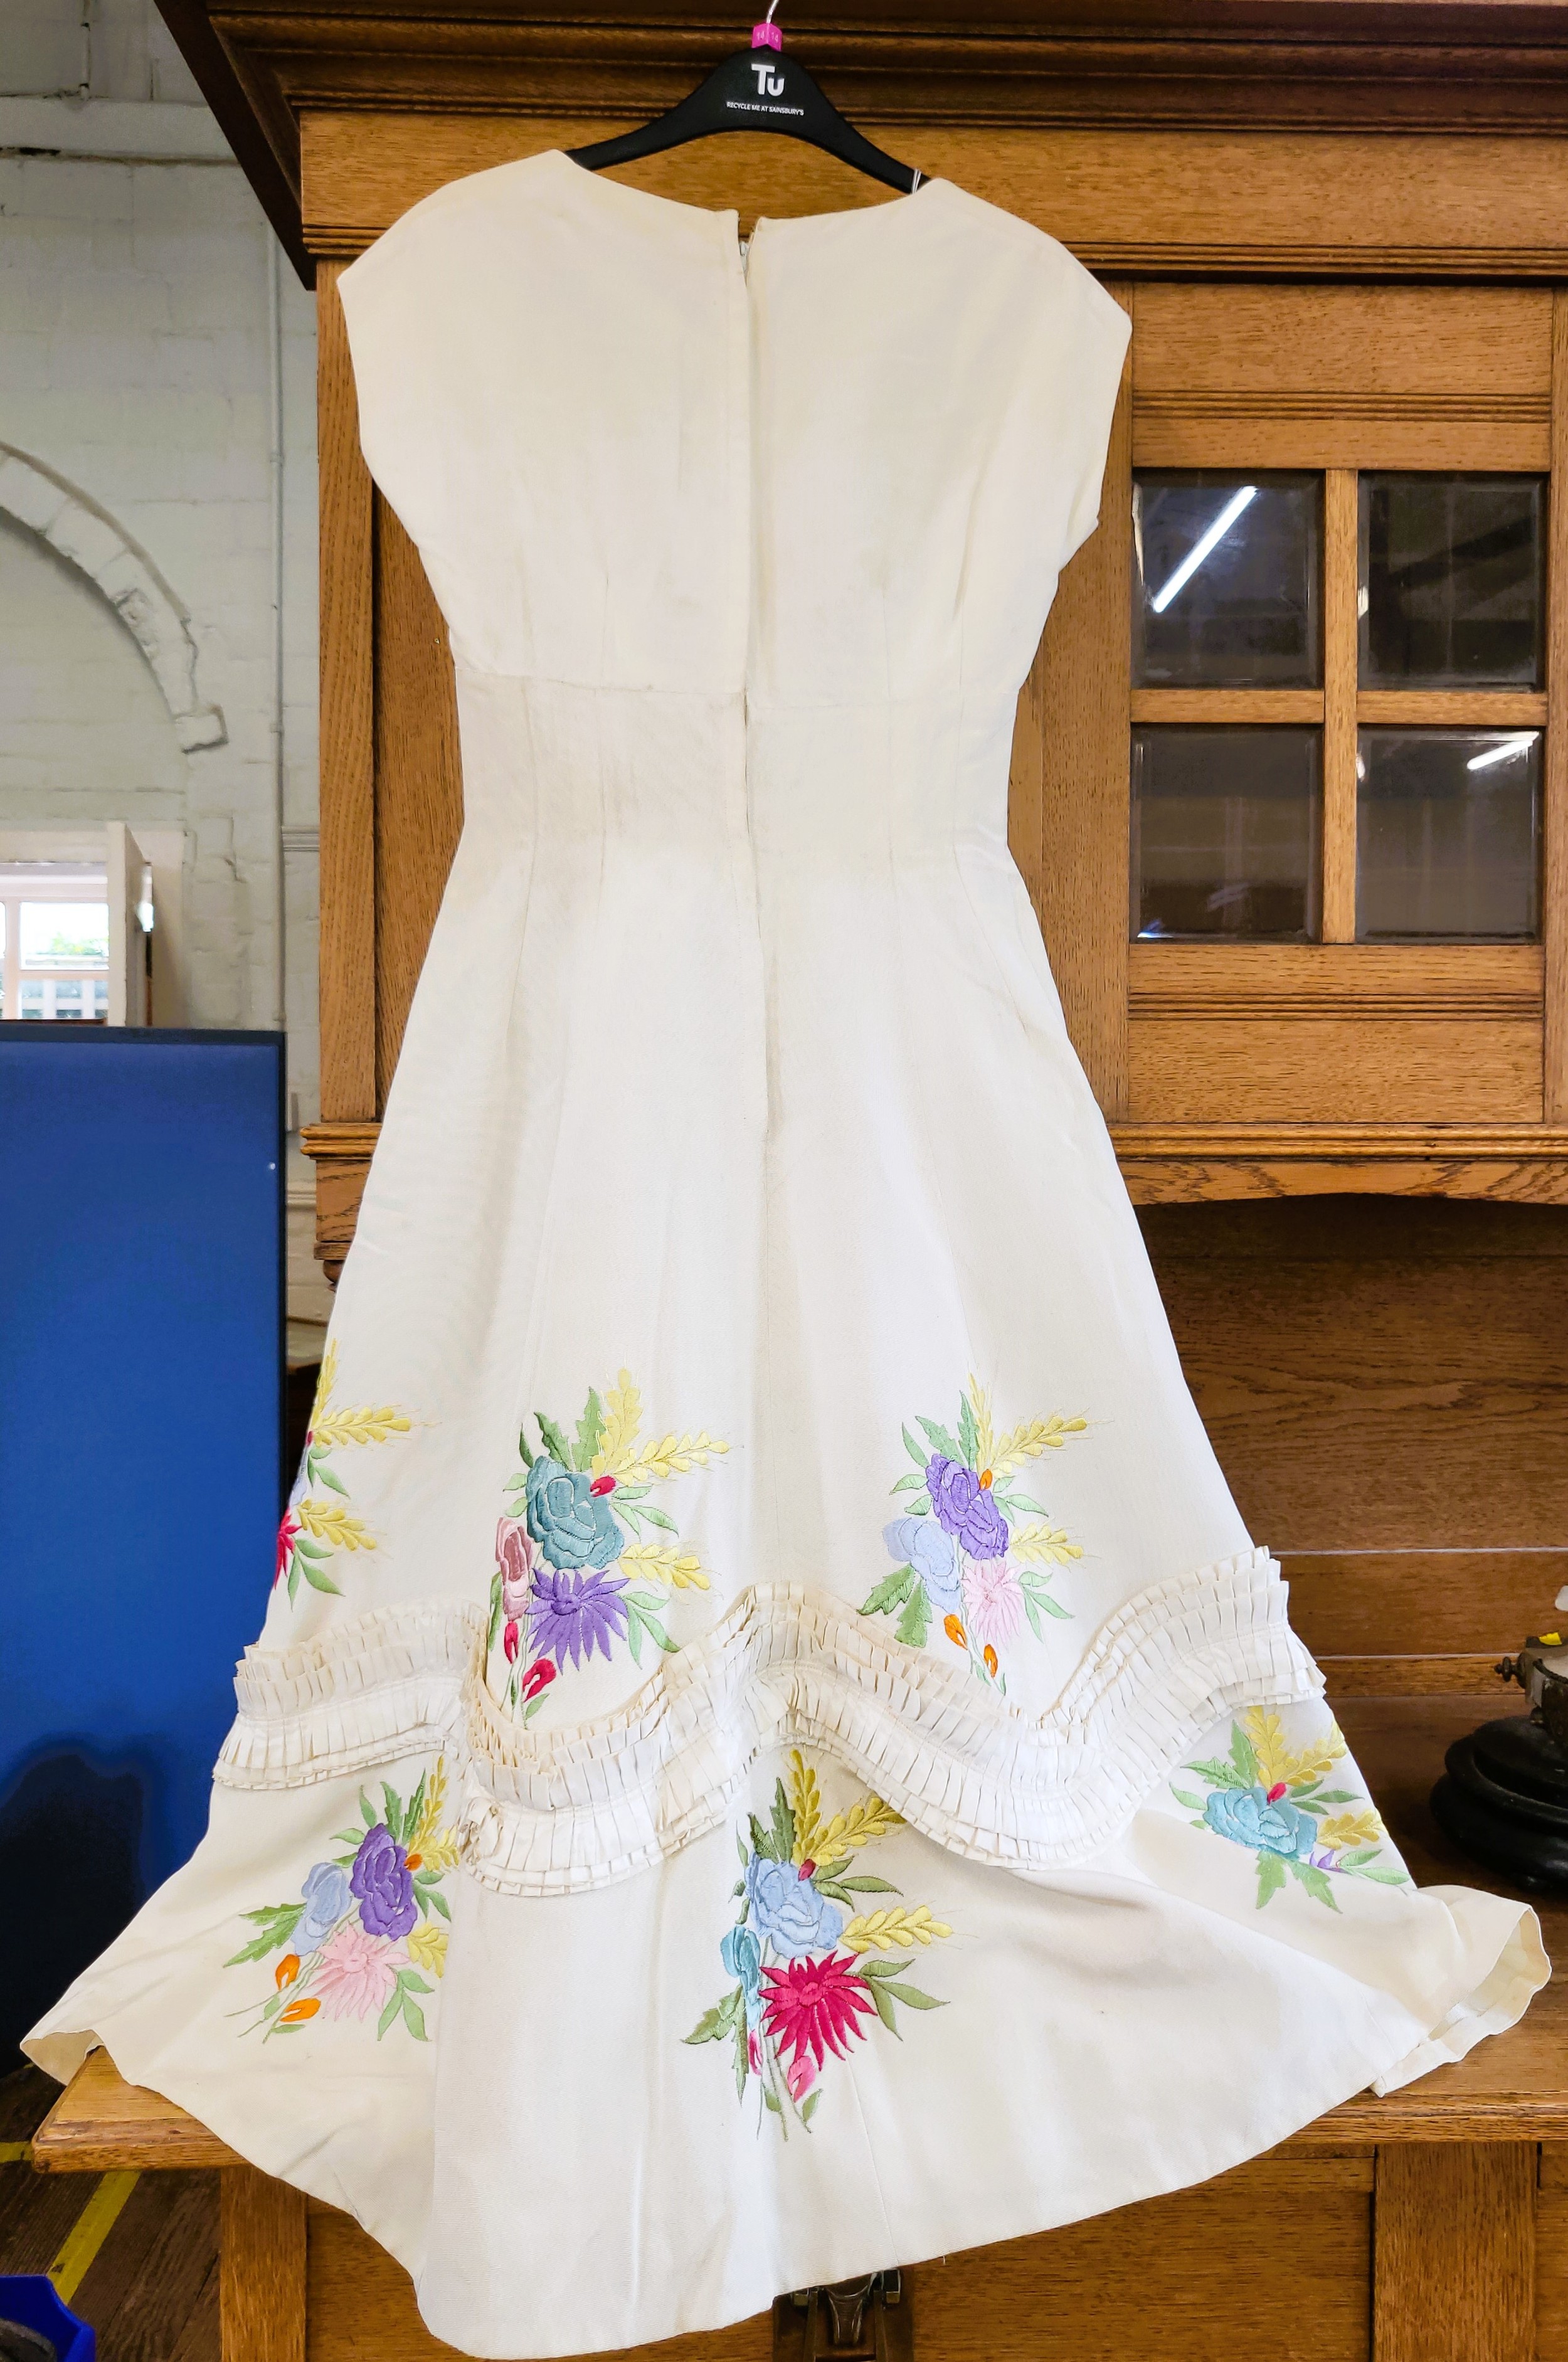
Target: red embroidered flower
[
  {"x": 599, "y": 1486},
  {"x": 1277, "y": 1791},
  {"x": 509, "y": 1642},
  {"x": 286, "y": 1533},
  {"x": 811, "y": 2003},
  {"x": 539, "y": 1676}
]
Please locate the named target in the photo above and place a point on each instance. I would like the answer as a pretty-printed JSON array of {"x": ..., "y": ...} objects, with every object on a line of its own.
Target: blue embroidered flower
[
  {"x": 327, "y": 1896},
  {"x": 572, "y": 1524},
  {"x": 787, "y": 1910},
  {"x": 1246, "y": 1817},
  {"x": 742, "y": 1956},
  {"x": 965, "y": 1506},
  {"x": 920, "y": 1542}
]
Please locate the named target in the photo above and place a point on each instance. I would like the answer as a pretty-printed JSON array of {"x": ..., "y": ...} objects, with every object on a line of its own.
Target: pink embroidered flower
[
  {"x": 993, "y": 1599},
  {"x": 814, "y": 2003},
  {"x": 800, "y": 2074},
  {"x": 516, "y": 1557},
  {"x": 509, "y": 1642},
  {"x": 286, "y": 1533},
  {"x": 539, "y": 1676},
  {"x": 356, "y": 1974}
]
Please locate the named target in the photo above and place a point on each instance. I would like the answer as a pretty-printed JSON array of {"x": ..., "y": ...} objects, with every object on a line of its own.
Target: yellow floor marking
[
  {"x": 87, "y": 2235},
  {"x": 16, "y": 2152}
]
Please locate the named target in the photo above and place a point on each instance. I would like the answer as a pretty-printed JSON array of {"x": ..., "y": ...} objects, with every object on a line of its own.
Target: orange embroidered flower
[
  {"x": 288, "y": 1970},
  {"x": 298, "y": 2011},
  {"x": 984, "y": 1480},
  {"x": 990, "y": 1656},
  {"x": 413, "y": 1862},
  {"x": 955, "y": 1631}
]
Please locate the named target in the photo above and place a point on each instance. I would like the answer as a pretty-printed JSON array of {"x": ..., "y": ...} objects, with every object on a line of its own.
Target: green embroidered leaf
[
  {"x": 891, "y": 1593},
  {"x": 439, "y": 1900},
  {"x": 783, "y": 1825},
  {"x": 1019, "y": 1505},
  {"x": 915, "y": 1622},
  {"x": 324, "y": 1475},
  {"x": 810, "y": 2110},
  {"x": 761, "y": 1842},
  {"x": 885, "y": 2010},
  {"x": 634, "y": 1638},
  {"x": 347, "y": 1838},
  {"x": 1309, "y": 1803},
  {"x": 834, "y": 1892},
  {"x": 1271, "y": 1877},
  {"x": 772, "y": 2098},
  {"x": 1356, "y": 1855},
  {"x": 867, "y": 1884},
  {"x": 1033, "y": 1588},
  {"x": 1315, "y": 1881},
  {"x": 968, "y": 1433},
  {"x": 308, "y": 1548},
  {"x": 742, "y": 1849},
  {"x": 392, "y": 2012},
  {"x": 715, "y": 2023},
  {"x": 1193, "y": 1803},
  {"x": 413, "y": 1816},
  {"x": 315, "y": 1576},
  {"x": 277, "y": 1922},
  {"x": 555, "y": 1443},
  {"x": 411, "y": 1982},
  {"x": 589, "y": 1428},
  {"x": 653, "y": 1515},
  {"x": 835, "y": 1869},
  {"x": 1242, "y": 1758},
  {"x": 295, "y": 1562},
  {"x": 913, "y": 1482},
  {"x": 368, "y": 1810},
  {"x": 522, "y": 1451},
  {"x": 743, "y": 2062},
  {"x": 1032, "y": 1609},
  {"x": 1383, "y": 1873},
  {"x": 873, "y": 1970},
  {"x": 414, "y": 2016},
  {"x": 945, "y": 1443},
  {"x": 1220, "y": 1775},
  {"x": 1331, "y": 1796},
  {"x": 919, "y": 1505},
  {"x": 912, "y": 1996},
  {"x": 495, "y": 1612},
  {"x": 391, "y": 1812},
  {"x": 916, "y": 1455}
]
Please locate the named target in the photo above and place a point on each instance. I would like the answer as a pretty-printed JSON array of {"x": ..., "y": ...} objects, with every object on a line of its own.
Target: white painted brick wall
[{"x": 137, "y": 362}]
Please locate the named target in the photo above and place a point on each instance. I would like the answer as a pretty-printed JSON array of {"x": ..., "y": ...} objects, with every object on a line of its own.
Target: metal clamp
[{"x": 865, "y": 2320}]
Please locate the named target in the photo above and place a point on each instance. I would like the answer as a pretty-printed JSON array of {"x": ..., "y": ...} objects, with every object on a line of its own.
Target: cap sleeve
[{"x": 1088, "y": 333}]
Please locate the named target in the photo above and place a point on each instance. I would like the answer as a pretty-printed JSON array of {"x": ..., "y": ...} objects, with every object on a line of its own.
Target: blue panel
[{"x": 141, "y": 1356}]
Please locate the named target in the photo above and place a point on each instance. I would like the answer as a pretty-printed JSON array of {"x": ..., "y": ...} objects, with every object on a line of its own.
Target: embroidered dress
[{"x": 772, "y": 1752}]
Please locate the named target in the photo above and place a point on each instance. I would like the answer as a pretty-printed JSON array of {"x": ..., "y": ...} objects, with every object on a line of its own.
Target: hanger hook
[{"x": 769, "y": 18}]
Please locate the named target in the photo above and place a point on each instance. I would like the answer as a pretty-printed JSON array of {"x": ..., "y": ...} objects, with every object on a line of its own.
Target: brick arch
[{"x": 81, "y": 531}]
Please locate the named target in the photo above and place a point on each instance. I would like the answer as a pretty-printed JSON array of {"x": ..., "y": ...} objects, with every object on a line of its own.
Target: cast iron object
[
  {"x": 1504, "y": 1798},
  {"x": 863, "y": 2320}
]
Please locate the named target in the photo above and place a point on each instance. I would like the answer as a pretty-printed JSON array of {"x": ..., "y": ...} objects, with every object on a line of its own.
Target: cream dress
[{"x": 772, "y": 1752}]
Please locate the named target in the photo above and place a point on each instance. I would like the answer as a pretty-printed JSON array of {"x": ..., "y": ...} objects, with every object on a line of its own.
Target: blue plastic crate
[{"x": 29, "y": 2299}]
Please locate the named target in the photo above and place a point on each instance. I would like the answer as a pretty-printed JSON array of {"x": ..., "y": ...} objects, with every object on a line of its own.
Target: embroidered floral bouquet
[
  {"x": 807, "y": 1985},
  {"x": 362, "y": 1928},
  {"x": 974, "y": 1553},
  {"x": 576, "y": 1541}
]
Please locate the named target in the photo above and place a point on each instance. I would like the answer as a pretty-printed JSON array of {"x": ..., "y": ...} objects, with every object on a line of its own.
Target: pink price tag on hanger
[{"x": 766, "y": 37}]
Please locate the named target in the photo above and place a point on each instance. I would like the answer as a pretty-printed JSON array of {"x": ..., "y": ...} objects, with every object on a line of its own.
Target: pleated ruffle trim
[{"x": 558, "y": 1811}]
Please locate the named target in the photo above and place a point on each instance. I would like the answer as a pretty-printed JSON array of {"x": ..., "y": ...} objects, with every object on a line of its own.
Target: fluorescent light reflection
[
  {"x": 1201, "y": 548},
  {"x": 1503, "y": 751}
]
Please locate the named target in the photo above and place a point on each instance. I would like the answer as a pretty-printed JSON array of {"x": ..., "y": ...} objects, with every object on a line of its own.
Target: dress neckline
[{"x": 726, "y": 216}]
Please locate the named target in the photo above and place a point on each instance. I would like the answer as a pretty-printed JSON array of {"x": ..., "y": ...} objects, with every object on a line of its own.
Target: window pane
[
  {"x": 1226, "y": 832},
  {"x": 1451, "y": 581},
  {"x": 1227, "y": 580},
  {"x": 1447, "y": 828},
  {"x": 63, "y": 935}
]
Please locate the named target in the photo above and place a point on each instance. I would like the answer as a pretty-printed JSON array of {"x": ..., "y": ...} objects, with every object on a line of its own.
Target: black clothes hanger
[{"x": 755, "y": 90}]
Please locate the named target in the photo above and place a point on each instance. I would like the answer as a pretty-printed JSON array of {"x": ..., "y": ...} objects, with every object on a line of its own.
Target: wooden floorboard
[{"x": 151, "y": 2290}]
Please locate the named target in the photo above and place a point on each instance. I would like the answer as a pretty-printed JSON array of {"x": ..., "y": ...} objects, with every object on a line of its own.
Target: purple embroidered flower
[
  {"x": 569, "y": 1614},
  {"x": 380, "y": 1879},
  {"x": 965, "y": 1508}
]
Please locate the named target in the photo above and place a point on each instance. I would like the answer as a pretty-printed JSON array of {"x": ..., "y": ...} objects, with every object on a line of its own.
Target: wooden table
[{"x": 1429, "y": 2226}]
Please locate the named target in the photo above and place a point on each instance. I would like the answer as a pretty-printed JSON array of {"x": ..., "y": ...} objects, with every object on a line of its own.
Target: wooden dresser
[{"x": 1301, "y": 867}]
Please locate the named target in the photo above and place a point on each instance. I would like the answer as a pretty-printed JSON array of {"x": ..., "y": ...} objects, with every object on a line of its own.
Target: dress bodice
[{"x": 847, "y": 467}]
